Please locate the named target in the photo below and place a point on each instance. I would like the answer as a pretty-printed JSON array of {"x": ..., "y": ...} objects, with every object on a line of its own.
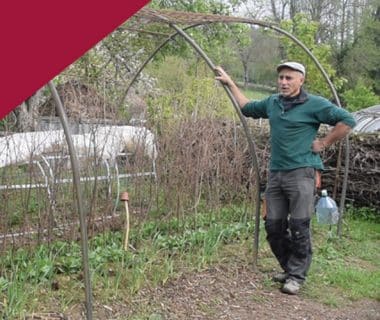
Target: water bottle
[{"x": 326, "y": 209}]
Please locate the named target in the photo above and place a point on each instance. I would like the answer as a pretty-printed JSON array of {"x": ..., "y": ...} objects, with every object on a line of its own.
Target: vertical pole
[
  {"x": 344, "y": 188},
  {"x": 125, "y": 198},
  {"x": 78, "y": 193}
]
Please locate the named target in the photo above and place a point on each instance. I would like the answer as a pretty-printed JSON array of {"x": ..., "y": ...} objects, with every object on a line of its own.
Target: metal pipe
[
  {"x": 294, "y": 39},
  {"x": 251, "y": 145},
  {"x": 141, "y": 68},
  {"x": 344, "y": 188},
  {"x": 77, "y": 186}
]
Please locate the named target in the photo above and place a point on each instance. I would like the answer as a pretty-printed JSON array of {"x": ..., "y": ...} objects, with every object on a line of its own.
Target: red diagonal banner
[{"x": 40, "y": 38}]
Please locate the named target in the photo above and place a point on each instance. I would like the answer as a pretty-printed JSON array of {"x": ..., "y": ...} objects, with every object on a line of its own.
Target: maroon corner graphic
[{"x": 41, "y": 38}]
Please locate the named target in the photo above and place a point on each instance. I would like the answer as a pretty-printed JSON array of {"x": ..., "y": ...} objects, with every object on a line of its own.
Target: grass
[
  {"x": 254, "y": 94},
  {"x": 345, "y": 268}
]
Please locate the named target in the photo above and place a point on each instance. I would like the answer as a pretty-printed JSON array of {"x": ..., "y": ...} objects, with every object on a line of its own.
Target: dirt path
[
  {"x": 220, "y": 294},
  {"x": 238, "y": 294}
]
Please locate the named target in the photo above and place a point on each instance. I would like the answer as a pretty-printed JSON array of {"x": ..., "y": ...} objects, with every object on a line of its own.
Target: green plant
[
  {"x": 360, "y": 97},
  {"x": 305, "y": 30},
  {"x": 348, "y": 266},
  {"x": 363, "y": 213},
  {"x": 182, "y": 94}
]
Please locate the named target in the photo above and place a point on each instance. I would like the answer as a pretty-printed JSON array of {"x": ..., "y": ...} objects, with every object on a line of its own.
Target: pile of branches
[
  {"x": 363, "y": 188},
  {"x": 220, "y": 150}
]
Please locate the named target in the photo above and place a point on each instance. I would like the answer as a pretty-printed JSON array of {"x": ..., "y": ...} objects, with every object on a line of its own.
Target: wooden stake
[{"x": 124, "y": 197}]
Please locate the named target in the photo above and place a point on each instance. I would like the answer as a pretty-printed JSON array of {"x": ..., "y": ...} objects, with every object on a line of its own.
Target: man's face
[{"x": 289, "y": 82}]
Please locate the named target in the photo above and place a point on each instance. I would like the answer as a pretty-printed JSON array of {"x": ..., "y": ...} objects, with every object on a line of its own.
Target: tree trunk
[{"x": 27, "y": 112}]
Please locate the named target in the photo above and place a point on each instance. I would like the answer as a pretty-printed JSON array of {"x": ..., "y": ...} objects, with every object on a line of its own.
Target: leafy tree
[
  {"x": 183, "y": 95},
  {"x": 211, "y": 6},
  {"x": 360, "y": 97},
  {"x": 110, "y": 65},
  {"x": 212, "y": 38},
  {"x": 360, "y": 61},
  {"x": 305, "y": 30}
]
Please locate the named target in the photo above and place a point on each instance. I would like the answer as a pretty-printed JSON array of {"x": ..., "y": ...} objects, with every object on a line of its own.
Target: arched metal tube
[
  {"x": 251, "y": 144},
  {"x": 77, "y": 186},
  {"x": 294, "y": 39},
  {"x": 151, "y": 56}
]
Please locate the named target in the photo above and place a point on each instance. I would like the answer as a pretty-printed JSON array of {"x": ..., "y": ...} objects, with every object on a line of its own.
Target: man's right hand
[{"x": 222, "y": 76}]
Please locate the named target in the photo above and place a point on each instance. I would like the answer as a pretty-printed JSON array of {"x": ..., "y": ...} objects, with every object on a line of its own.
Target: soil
[{"x": 227, "y": 293}]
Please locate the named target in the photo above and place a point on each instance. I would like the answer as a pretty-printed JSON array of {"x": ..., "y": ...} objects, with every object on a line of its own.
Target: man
[{"x": 294, "y": 117}]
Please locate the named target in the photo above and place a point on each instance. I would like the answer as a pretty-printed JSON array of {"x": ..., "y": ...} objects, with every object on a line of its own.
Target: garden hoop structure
[
  {"x": 172, "y": 18},
  {"x": 193, "y": 19}
]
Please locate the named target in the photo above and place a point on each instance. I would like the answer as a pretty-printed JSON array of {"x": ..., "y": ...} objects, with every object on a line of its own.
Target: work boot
[
  {"x": 280, "y": 277},
  {"x": 291, "y": 286}
]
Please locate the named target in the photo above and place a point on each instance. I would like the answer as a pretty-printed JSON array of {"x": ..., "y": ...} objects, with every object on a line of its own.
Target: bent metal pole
[
  {"x": 202, "y": 19},
  {"x": 77, "y": 188},
  {"x": 144, "y": 64},
  {"x": 251, "y": 145}
]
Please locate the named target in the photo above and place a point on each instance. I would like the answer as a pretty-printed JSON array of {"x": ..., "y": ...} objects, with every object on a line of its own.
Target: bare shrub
[{"x": 204, "y": 162}]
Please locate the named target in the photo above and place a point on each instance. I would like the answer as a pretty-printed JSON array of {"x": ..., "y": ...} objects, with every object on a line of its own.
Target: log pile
[{"x": 363, "y": 188}]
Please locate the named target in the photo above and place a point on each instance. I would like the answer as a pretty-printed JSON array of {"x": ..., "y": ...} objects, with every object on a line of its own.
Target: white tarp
[
  {"x": 368, "y": 120},
  {"x": 103, "y": 142}
]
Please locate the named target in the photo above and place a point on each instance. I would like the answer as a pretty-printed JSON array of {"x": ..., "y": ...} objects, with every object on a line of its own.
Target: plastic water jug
[{"x": 326, "y": 209}]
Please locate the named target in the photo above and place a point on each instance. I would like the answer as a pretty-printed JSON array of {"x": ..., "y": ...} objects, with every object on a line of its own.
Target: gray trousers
[{"x": 290, "y": 204}]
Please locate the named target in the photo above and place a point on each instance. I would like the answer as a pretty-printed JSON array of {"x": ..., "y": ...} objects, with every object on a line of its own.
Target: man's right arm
[{"x": 224, "y": 78}]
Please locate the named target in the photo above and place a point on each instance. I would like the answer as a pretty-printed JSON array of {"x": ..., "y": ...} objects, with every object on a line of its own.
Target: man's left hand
[{"x": 318, "y": 146}]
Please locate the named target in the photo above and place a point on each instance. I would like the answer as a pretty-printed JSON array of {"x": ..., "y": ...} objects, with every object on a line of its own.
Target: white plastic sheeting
[
  {"x": 368, "y": 120},
  {"x": 103, "y": 142}
]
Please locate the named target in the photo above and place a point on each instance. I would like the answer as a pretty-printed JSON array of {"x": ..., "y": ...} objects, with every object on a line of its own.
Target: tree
[
  {"x": 360, "y": 61},
  {"x": 360, "y": 97},
  {"x": 26, "y": 113},
  {"x": 338, "y": 20},
  {"x": 209, "y": 37},
  {"x": 305, "y": 31},
  {"x": 264, "y": 53}
]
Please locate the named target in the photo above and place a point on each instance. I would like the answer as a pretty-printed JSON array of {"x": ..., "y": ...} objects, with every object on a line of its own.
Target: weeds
[
  {"x": 163, "y": 251},
  {"x": 347, "y": 266}
]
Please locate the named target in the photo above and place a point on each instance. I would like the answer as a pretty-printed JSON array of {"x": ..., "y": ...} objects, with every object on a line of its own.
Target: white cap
[
  {"x": 324, "y": 193},
  {"x": 292, "y": 65}
]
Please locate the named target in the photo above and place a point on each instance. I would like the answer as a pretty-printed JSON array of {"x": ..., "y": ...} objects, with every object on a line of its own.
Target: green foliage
[
  {"x": 111, "y": 265},
  {"x": 254, "y": 95},
  {"x": 8, "y": 122},
  {"x": 360, "y": 97},
  {"x": 215, "y": 235},
  {"x": 305, "y": 31},
  {"x": 347, "y": 266},
  {"x": 108, "y": 65},
  {"x": 364, "y": 213},
  {"x": 360, "y": 60},
  {"x": 211, "y": 38},
  {"x": 182, "y": 94},
  {"x": 211, "y": 6}
]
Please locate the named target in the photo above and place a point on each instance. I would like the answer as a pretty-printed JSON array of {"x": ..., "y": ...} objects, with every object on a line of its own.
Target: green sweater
[{"x": 293, "y": 131}]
